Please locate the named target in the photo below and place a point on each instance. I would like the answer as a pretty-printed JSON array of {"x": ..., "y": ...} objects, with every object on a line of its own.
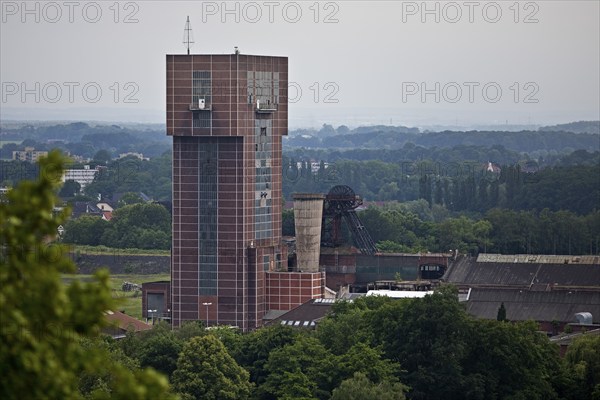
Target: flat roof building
[
  {"x": 30, "y": 154},
  {"x": 83, "y": 176}
]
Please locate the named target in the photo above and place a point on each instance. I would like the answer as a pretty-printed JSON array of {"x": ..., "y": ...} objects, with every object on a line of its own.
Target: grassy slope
[{"x": 127, "y": 301}]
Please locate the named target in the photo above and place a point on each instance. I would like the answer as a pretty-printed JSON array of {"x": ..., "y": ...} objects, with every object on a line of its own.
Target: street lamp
[
  {"x": 207, "y": 304},
  {"x": 153, "y": 313}
]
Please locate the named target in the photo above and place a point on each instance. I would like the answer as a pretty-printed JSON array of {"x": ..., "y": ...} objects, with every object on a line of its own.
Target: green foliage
[
  {"x": 84, "y": 140},
  {"x": 304, "y": 368},
  {"x": 360, "y": 387},
  {"x": 129, "y": 198},
  {"x": 12, "y": 172},
  {"x": 501, "y": 313},
  {"x": 509, "y": 361},
  {"x": 160, "y": 352},
  {"x": 463, "y": 234},
  {"x": 130, "y": 174},
  {"x": 389, "y": 246},
  {"x": 545, "y": 232},
  {"x": 443, "y": 352},
  {"x": 583, "y": 361},
  {"x": 190, "y": 329},
  {"x": 102, "y": 157},
  {"x": 87, "y": 230},
  {"x": 395, "y": 229},
  {"x": 498, "y": 231},
  {"x": 287, "y": 223},
  {"x": 349, "y": 324},
  {"x": 44, "y": 322},
  {"x": 384, "y": 141},
  {"x": 426, "y": 336},
  {"x": 142, "y": 226},
  {"x": 361, "y": 358},
  {"x": 307, "y": 368},
  {"x": 97, "y": 383},
  {"x": 206, "y": 371},
  {"x": 458, "y": 182},
  {"x": 253, "y": 349},
  {"x": 70, "y": 189}
]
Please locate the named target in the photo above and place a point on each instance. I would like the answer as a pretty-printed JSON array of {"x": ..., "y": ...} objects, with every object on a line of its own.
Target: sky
[{"x": 356, "y": 63}]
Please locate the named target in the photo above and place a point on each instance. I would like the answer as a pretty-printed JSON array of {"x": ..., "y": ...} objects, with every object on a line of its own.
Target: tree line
[
  {"x": 84, "y": 140},
  {"x": 130, "y": 174},
  {"x": 413, "y": 227},
  {"x": 373, "y": 347},
  {"x": 386, "y": 137},
  {"x": 458, "y": 186},
  {"x": 140, "y": 226}
]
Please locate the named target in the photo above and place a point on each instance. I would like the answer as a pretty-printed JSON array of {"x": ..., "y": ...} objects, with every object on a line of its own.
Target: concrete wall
[
  {"x": 121, "y": 264},
  {"x": 344, "y": 269},
  {"x": 308, "y": 214}
]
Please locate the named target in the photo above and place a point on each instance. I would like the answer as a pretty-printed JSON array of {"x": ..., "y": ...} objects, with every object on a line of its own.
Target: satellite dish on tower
[{"x": 188, "y": 37}]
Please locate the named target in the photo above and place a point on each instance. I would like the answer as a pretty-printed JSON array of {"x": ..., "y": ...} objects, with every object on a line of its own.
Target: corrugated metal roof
[
  {"x": 307, "y": 314},
  {"x": 471, "y": 271},
  {"x": 538, "y": 258},
  {"x": 399, "y": 294},
  {"x": 523, "y": 305}
]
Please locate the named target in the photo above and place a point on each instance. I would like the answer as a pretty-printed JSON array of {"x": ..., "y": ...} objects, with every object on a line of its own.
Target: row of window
[{"x": 207, "y": 218}]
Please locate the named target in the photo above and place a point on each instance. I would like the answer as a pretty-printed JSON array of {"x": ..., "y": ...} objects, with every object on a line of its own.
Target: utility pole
[{"x": 207, "y": 305}]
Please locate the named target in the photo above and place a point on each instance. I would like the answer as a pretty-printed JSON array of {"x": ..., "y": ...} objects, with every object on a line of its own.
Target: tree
[
  {"x": 160, "y": 352},
  {"x": 287, "y": 223},
  {"x": 583, "y": 359},
  {"x": 439, "y": 193},
  {"x": 501, "y": 313},
  {"x": 96, "y": 384},
  {"x": 425, "y": 188},
  {"x": 87, "y": 230},
  {"x": 144, "y": 226},
  {"x": 254, "y": 348},
  {"x": 70, "y": 189},
  {"x": 129, "y": 198},
  {"x": 350, "y": 323},
  {"x": 364, "y": 359},
  {"x": 206, "y": 371},
  {"x": 359, "y": 387},
  {"x": 427, "y": 337},
  {"x": 508, "y": 361},
  {"x": 304, "y": 368},
  {"x": 44, "y": 321},
  {"x": 389, "y": 246},
  {"x": 102, "y": 157}
]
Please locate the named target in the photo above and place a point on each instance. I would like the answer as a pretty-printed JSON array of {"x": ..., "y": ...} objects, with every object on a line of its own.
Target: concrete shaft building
[
  {"x": 227, "y": 115},
  {"x": 308, "y": 216}
]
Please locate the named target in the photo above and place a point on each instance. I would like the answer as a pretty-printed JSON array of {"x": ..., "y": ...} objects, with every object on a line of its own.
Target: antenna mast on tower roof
[{"x": 188, "y": 37}]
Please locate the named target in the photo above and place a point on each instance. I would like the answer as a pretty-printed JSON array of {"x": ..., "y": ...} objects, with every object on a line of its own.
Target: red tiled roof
[{"x": 125, "y": 322}]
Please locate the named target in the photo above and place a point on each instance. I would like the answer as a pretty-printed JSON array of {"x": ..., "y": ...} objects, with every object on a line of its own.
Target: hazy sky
[{"x": 352, "y": 62}]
